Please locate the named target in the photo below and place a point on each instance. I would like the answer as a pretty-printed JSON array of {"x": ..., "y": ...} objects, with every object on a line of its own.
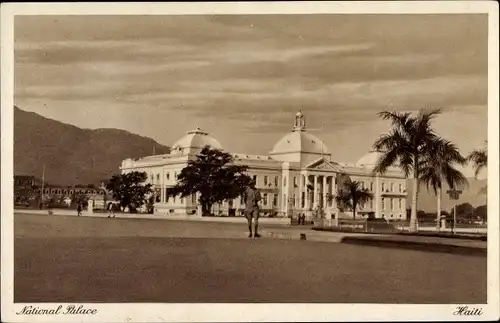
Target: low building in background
[{"x": 27, "y": 190}]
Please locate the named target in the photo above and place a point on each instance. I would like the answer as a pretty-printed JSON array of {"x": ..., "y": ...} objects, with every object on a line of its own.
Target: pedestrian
[
  {"x": 251, "y": 199},
  {"x": 79, "y": 208},
  {"x": 111, "y": 210}
]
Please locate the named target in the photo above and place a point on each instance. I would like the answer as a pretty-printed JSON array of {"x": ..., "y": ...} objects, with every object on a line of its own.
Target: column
[
  {"x": 324, "y": 192},
  {"x": 301, "y": 188},
  {"x": 333, "y": 191},
  {"x": 378, "y": 214},
  {"x": 315, "y": 195},
  {"x": 307, "y": 195}
]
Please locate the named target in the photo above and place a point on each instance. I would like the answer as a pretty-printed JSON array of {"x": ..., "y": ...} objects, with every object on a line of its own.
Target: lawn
[{"x": 71, "y": 259}]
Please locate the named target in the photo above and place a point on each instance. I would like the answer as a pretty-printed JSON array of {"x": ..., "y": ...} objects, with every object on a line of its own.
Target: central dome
[
  {"x": 194, "y": 141},
  {"x": 299, "y": 140}
]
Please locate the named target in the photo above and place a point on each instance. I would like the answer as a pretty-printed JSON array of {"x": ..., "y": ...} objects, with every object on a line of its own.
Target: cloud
[{"x": 250, "y": 73}]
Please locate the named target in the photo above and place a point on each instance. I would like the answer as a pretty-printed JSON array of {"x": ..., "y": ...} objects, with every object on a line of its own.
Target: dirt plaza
[{"x": 83, "y": 259}]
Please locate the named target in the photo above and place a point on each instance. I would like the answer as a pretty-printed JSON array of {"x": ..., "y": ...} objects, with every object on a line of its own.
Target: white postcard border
[{"x": 135, "y": 312}]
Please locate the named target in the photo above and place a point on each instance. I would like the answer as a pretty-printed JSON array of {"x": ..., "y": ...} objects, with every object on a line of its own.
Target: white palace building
[{"x": 297, "y": 177}]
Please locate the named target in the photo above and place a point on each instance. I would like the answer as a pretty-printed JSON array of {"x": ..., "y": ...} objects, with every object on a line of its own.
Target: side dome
[
  {"x": 194, "y": 141},
  {"x": 370, "y": 159}
]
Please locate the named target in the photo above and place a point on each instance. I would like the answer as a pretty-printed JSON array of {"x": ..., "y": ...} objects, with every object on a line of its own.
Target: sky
[{"x": 242, "y": 78}]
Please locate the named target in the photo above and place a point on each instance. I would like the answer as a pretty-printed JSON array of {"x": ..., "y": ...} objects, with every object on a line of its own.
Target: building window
[
  {"x": 284, "y": 181},
  {"x": 265, "y": 180},
  {"x": 255, "y": 179},
  {"x": 175, "y": 176},
  {"x": 400, "y": 188},
  {"x": 383, "y": 186},
  {"x": 400, "y": 204},
  {"x": 294, "y": 203},
  {"x": 371, "y": 204},
  {"x": 383, "y": 204},
  {"x": 276, "y": 180},
  {"x": 151, "y": 177},
  {"x": 166, "y": 195},
  {"x": 392, "y": 187},
  {"x": 168, "y": 176},
  {"x": 275, "y": 200},
  {"x": 371, "y": 186},
  {"x": 392, "y": 204},
  {"x": 264, "y": 198}
]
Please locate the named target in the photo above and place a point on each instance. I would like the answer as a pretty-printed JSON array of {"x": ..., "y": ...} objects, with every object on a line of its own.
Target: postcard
[{"x": 250, "y": 161}]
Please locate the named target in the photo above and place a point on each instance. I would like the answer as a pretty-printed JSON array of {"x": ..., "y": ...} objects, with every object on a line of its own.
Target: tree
[
  {"x": 351, "y": 194},
  {"x": 479, "y": 158},
  {"x": 481, "y": 213},
  {"x": 404, "y": 146},
  {"x": 465, "y": 211},
  {"x": 130, "y": 189},
  {"x": 438, "y": 166},
  {"x": 213, "y": 177}
]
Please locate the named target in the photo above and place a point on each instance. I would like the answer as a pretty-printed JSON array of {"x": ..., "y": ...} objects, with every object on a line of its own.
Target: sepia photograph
[{"x": 250, "y": 162}]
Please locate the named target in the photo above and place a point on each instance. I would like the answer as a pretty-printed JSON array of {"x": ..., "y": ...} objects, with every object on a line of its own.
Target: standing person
[
  {"x": 79, "y": 208},
  {"x": 252, "y": 198},
  {"x": 111, "y": 210}
]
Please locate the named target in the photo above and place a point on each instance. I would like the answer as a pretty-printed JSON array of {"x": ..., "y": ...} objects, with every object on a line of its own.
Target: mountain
[
  {"x": 73, "y": 155},
  {"x": 82, "y": 156},
  {"x": 427, "y": 200}
]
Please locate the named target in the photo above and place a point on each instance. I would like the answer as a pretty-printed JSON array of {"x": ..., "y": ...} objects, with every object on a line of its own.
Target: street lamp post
[{"x": 454, "y": 195}]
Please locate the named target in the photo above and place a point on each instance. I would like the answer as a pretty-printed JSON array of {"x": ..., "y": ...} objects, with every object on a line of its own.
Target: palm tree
[
  {"x": 404, "y": 146},
  {"x": 438, "y": 166},
  {"x": 479, "y": 158},
  {"x": 351, "y": 195}
]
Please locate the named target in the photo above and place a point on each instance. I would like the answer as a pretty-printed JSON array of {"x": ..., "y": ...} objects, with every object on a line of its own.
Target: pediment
[{"x": 323, "y": 164}]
